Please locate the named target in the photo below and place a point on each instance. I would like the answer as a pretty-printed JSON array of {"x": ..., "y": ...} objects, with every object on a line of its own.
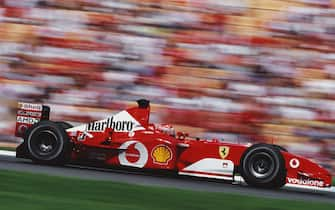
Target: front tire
[
  {"x": 263, "y": 165},
  {"x": 48, "y": 143}
]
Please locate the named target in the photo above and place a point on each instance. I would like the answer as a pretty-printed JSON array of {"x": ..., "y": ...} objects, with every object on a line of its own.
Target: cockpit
[{"x": 166, "y": 128}]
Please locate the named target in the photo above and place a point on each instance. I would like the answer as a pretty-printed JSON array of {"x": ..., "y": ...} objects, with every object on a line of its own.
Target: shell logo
[{"x": 161, "y": 154}]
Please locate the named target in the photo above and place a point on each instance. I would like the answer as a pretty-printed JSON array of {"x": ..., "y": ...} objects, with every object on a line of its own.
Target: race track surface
[{"x": 8, "y": 162}]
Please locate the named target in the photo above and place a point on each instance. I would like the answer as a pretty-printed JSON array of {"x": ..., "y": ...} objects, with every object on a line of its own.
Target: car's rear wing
[
  {"x": 28, "y": 114},
  {"x": 128, "y": 120}
]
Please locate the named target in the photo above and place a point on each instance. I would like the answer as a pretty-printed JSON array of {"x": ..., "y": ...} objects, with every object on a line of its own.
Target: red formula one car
[{"x": 128, "y": 139}]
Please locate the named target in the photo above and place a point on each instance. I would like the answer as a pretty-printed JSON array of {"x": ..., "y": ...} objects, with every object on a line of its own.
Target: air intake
[{"x": 143, "y": 103}]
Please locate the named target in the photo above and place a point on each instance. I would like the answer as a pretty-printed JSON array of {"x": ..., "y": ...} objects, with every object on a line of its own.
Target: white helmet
[{"x": 166, "y": 128}]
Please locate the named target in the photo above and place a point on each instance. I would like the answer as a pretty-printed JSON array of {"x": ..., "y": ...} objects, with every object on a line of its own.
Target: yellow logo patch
[
  {"x": 161, "y": 154},
  {"x": 223, "y": 151}
]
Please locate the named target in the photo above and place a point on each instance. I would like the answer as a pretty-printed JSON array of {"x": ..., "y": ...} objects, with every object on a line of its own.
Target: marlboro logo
[
  {"x": 30, "y": 107},
  {"x": 121, "y": 126}
]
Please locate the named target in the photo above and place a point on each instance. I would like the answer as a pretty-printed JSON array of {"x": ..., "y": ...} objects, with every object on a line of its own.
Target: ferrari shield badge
[{"x": 223, "y": 151}]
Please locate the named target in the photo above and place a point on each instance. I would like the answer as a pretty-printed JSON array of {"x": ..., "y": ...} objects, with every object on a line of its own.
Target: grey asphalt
[{"x": 148, "y": 179}]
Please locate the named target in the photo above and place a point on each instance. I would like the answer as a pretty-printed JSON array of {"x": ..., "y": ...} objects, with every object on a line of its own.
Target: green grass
[
  {"x": 8, "y": 148},
  {"x": 41, "y": 192}
]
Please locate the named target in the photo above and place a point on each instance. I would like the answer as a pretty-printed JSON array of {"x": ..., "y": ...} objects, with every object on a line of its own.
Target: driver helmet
[{"x": 166, "y": 128}]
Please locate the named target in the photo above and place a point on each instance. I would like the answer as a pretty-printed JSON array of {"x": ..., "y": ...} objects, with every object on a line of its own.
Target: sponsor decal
[
  {"x": 223, "y": 151},
  {"x": 22, "y": 128},
  {"x": 29, "y": 113},
  {"x": 30, "y": 107},
  {"x": 161, "y": 154},
  {"x": 123, "y": 126},
  {"x": 308, "y": 182},
  {"x": 135, "y": 154},
  {"x": 210, "y": 167},
  {"x": 294, "y": 163},
  {"x": 27, "y": 120},
  {"x": 82, "y": 137}
]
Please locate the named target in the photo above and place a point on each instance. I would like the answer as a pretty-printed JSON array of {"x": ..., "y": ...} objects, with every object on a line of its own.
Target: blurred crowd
[{"x": 236, "y": 70}]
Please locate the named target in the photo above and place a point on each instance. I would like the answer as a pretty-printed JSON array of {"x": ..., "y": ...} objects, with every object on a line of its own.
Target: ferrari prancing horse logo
[{"x": 223, "y": 151}]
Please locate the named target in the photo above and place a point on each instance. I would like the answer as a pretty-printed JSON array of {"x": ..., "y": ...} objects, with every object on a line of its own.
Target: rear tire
[
  {"x": 64, "y": 125},
  {"x": 263, "y": 165},
  {"x": 280, "y": 148},
  {"x": 48, "y": 143}
]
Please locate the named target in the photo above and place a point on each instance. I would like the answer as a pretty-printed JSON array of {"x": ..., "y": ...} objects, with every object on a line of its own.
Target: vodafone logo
[
  {"x": 314, "y": 183},
  {"x": 135, "y": 154},
  {"x": 294, "y": 163}
]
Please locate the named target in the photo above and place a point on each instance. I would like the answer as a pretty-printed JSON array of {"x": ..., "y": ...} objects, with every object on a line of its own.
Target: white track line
[
  {"x": 308, "y": 188},
  {"x": 8, "y": 153},
  {"x": 238, "y": 179}
]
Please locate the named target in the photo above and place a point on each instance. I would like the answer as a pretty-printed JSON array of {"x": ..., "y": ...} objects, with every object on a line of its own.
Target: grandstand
[{"x": 245, "y": 70}]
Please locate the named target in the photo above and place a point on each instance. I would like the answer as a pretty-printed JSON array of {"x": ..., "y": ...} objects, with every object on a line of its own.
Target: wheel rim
[
  {"x": 45, "y": 143},
  {"x": 261, "y": 165}
]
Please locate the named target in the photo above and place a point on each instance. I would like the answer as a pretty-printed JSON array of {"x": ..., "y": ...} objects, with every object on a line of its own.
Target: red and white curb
[{"x": 237, "y": 179}]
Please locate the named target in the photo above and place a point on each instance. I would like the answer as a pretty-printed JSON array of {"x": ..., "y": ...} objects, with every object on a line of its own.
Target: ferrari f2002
[{"x": 128, "y": 139}]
